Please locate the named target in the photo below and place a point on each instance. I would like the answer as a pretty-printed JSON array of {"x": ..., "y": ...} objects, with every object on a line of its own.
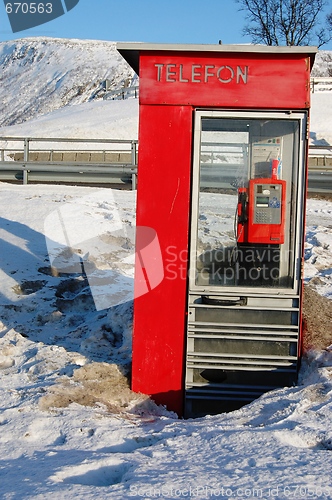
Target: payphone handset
[{"x": 261, "y": 212}]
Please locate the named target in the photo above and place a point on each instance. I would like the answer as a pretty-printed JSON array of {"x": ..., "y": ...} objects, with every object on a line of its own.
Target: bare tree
[
  {"x": 329, "y": 20},
  {"x": 286, "y": 22}
]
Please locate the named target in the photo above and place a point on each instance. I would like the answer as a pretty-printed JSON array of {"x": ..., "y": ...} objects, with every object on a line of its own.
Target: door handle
[{"x": 219, "y": 301}]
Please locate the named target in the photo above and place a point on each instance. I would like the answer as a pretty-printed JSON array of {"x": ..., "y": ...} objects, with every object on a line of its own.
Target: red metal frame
[
  {"x": 283, "y": 83},
  {"x": 163, "y": 201}
]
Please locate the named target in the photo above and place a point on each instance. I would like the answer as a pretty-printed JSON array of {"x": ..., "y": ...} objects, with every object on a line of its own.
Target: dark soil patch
[
  {"x": 317, "y": 316},
  {"x": 28, "y": 287}
]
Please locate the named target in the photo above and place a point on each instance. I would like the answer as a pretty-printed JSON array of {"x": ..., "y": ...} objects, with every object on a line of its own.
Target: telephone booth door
[{"x": 246, "y": 247}]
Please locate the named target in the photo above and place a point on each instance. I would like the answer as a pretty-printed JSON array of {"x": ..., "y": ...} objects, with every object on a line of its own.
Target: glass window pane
[{"x": 246, "y": 212}]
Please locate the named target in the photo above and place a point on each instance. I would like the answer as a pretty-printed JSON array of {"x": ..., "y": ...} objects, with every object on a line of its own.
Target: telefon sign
[
  {"x": 201, "y": 73},
  {"x": 26, "y": 15}
]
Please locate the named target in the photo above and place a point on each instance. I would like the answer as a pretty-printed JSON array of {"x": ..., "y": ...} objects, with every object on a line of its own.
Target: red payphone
[{"x": 261, "y": 212}]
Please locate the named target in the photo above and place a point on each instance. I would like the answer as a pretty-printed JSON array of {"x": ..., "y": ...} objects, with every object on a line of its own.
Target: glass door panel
[{"x": 245, "y": 202}]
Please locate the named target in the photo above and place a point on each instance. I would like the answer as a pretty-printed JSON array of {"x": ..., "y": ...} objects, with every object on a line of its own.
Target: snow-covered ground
[
  {"x": 91, "y": 120},
  {"x": 69, "y": 425}
]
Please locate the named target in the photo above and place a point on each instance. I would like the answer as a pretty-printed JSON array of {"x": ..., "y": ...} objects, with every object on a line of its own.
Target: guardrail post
[
  {"x": 25, "y": 175},
  {"x": 134, "y": 163},
  {"x": 26, "y": 149},
  {"x": 133, "y": 153},
  {"x": 2, "y": 155},
  {"x": 25, "y": 159}
]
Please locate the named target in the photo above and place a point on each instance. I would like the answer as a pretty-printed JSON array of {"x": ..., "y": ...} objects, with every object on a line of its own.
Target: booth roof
[{"x": 131, "y": 50}]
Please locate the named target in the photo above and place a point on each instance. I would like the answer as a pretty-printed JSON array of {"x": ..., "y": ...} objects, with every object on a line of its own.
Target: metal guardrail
[
  {"x": 110, "y": 161},
  {"x": 320, "y": 164},
  {"x": 320, "y": 83},
  {"x": 76, "y": 160},
  {"x": 317, "y": 83},
  {"x": 320, "y": 158},
  {"x": 320, "y": 147},
  {"x": 123, "y": 93}
]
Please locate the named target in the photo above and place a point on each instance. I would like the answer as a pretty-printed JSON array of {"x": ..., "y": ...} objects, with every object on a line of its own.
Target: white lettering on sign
[{"x": 200, "y": 73}]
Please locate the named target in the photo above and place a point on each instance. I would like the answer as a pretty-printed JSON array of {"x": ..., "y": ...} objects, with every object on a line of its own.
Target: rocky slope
[{"x": 39, "y": 75}]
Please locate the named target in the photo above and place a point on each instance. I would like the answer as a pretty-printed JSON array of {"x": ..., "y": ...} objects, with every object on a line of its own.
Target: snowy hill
[
  {"x": 323, "y": 64},
  {"x": 39, "y": 75},
  {"x": 43, "y": 77}
]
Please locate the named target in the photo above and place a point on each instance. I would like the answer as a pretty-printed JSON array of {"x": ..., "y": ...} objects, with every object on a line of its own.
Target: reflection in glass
[{"x": 246, "y": 208}]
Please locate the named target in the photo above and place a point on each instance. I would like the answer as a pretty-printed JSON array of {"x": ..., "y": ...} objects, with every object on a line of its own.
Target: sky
[{"x": 153, "y": 21}]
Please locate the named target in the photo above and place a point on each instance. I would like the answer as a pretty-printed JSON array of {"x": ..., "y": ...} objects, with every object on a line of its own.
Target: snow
[
  {"x": 91, "y": 120},
  {"x": 67, "y": 430},
  {"x": 40, "y": 75},
  {"x": 70, "y": 426},
  {"x": 320, "y": 131}
]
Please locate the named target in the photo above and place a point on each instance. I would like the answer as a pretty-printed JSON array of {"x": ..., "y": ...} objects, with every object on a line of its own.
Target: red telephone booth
[{"x": 223, "y": 135}]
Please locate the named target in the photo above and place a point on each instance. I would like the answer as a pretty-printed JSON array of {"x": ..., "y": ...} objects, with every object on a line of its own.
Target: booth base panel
[
  {"x": 238, "y": 388},
  {"x": 236, "y": 353}
]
